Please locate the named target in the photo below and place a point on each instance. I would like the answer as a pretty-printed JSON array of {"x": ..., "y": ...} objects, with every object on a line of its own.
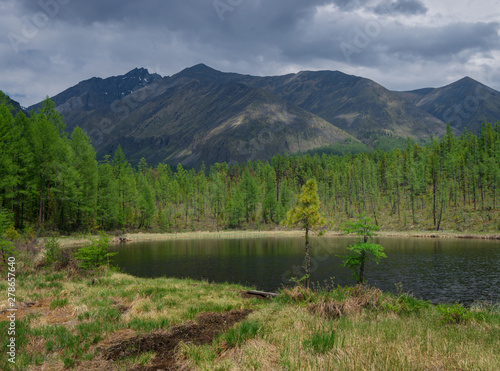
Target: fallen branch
[{"x": 262, "y": 293}]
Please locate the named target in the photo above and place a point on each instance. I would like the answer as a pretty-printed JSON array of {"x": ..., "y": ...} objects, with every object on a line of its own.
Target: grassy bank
[
  {"x": 140, "y": 237},
  {"x": 68, "y": 318}
]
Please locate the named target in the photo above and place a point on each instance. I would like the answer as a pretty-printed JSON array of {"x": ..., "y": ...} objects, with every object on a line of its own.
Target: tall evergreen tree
[
  {"x": 85, "y": 165},
  {"x": 305, "y": 214}
]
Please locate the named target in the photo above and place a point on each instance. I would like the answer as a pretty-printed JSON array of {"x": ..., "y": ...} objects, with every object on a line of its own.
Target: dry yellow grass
[{"x": 293, "y": 329}]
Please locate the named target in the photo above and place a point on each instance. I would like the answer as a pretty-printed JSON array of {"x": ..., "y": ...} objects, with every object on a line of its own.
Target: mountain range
[{"x": 201, "y": 114}]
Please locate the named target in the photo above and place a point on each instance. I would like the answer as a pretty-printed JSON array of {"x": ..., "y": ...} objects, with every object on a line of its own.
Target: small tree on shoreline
[
  {"x": 362, "y": 251},
  {"x": 306, "y": 216},
  {"x": 96, "y": 254}
]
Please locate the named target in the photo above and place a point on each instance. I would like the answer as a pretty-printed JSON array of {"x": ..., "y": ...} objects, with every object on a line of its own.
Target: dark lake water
[{"x": 440, "y": 270}]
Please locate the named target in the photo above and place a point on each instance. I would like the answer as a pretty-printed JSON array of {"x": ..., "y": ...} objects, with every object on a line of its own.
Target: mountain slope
[
  {"x": 201, "y": 114},
  {"x": 16, "y": 107},
  {"x": 357, "y": 105},
  {"x": 187, "y": 120},
  {"x": 465, "y": 103},
  {"x": 95, "y": 93}
]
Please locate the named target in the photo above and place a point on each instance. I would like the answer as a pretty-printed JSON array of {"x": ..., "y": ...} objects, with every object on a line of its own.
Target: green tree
[
  {"x": 285, "y": 199},
  {"x": 22, "y": 160},
  {"x": 86, "y": 183},
  {"x": 146, "y": 203},
  {"x": 6, "y": 246},
  {"x": 217, "y": 194},
  {"x": 120, "y": 165},
  {"x": 108, "y": 204},
  {"x": 269, "y": 204},
  {"x": 362, "y": 251},
  {"x": 249, "y": 193},
  {"x": 235, "y": 208},
  {"x": 305, "y": 214},
  {"x": 96, "y": 254},
  {"x": 45, "y": 137}
]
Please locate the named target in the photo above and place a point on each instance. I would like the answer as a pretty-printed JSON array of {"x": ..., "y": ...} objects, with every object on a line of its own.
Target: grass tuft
[
  {"x": 244, "y": 331},
  {"x": 58, "y": 303},
  {"x": 320, "y": 342}
]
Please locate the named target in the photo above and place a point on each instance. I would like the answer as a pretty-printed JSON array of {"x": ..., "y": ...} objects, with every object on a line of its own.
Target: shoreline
[{"x": 140, "y": 236}]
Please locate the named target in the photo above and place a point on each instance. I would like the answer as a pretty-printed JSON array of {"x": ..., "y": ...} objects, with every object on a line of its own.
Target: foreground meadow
[{"x": 70, "y": 318}]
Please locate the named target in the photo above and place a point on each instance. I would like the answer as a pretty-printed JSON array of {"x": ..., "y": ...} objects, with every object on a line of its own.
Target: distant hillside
[
  {"x": 201, "y": 114},
  {"x": 465, "y": 103},
  {"x": 188, "y": 120},
  {"x": 357, "y": 105},
  {"x": 16, "y": 107},
  {"x": 97, "y": 93}
]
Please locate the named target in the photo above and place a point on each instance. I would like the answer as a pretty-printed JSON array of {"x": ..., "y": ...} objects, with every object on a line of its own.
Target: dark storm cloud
[
  {"x": 109, "y": 37},
  {"x": 406, "y": 7},
  {"x": 179, "y": 14},
  {"x": 253, "y": 27},
  {"x": 369, "y": 42},
  {"x": 443, "y": 42}
]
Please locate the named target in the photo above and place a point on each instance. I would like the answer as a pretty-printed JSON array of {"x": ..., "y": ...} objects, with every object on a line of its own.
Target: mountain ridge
[
  {"x": 464, "y": 104},
  {"x": 178, "y": 111}
]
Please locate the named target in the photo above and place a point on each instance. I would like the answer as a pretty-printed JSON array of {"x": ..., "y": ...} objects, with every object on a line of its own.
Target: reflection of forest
[{"x": 435, "y": 269}]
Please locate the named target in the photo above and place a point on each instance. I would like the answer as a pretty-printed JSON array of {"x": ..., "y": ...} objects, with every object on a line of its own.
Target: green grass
[
  {"x": 320, "y": 342},
  {"x": 240, "y": 334},
  {"x": 144, "y": 325},
  {"x": 57, "y": 303},
  {"x": 374, "y": 329}
]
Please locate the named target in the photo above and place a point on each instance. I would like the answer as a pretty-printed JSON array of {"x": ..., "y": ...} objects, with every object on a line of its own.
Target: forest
[{"x": 51, "y": 182}]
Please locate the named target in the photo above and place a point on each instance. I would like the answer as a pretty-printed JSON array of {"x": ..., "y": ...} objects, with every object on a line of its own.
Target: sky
[{"x": 46, "y": 46}]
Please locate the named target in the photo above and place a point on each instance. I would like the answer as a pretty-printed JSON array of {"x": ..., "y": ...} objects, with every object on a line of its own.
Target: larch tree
[
  {"x": 87, "y": 176},
  {"x": 363, "y": 250},
  {"x": 305, "y": 214}
]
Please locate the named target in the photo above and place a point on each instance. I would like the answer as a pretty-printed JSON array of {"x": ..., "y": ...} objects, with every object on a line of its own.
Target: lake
[{"x": 439, "y": 270}]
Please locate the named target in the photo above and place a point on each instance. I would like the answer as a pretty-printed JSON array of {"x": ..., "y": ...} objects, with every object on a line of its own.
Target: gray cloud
[
  {"x": 406, "y": 7},
  {"x": 447, "y": 41},
  {"x": 110, "y": 37}
]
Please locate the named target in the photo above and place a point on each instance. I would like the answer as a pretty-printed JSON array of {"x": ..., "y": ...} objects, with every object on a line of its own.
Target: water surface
[{"x": 440, "y": 270}]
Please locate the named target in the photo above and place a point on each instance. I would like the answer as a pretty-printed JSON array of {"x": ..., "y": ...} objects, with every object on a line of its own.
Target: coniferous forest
[{"x": 51, "y": 180}]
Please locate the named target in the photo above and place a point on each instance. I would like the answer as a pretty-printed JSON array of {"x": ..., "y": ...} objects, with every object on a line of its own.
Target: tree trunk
[
  {"x": 55, "y": 203},
  {"x": 413, "y": 208},
  {"x": 440, "y": 216},
  {"x": 362, "y": 268},
  {"x": 18, "y": 217},
  {"x": 308, "y": 260}
]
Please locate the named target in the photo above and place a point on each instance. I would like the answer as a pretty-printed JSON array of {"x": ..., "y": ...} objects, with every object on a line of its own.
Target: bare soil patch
[{"x": 206, "y": 327}]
